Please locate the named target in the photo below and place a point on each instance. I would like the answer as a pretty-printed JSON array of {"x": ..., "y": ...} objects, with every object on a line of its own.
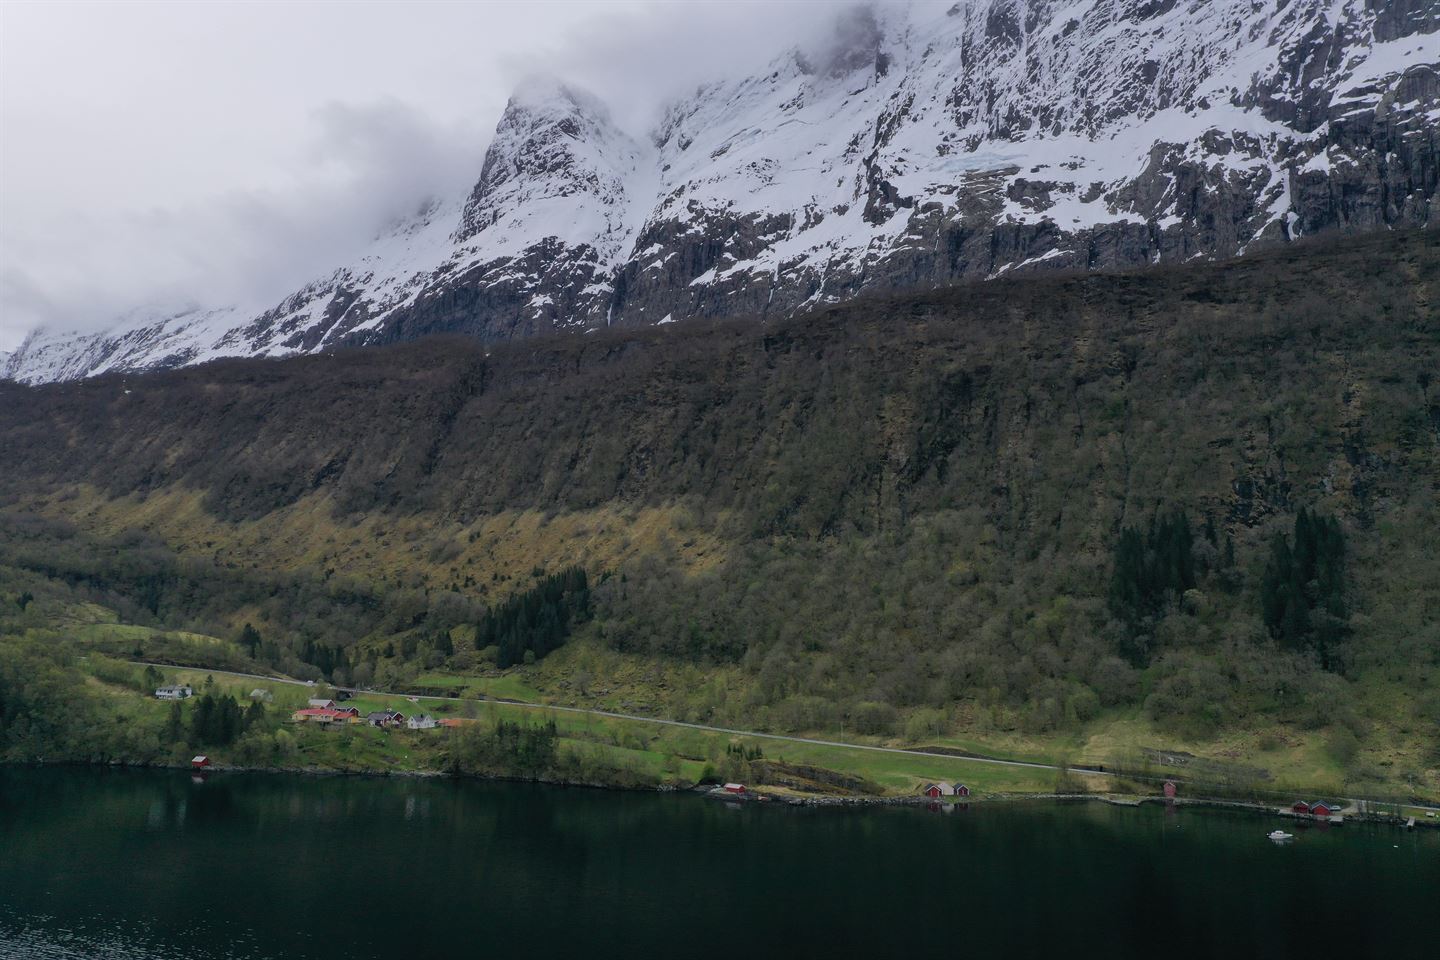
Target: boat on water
[{"x": 1280, "y": 836}]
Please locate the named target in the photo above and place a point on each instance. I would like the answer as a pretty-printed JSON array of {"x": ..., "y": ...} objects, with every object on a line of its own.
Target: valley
[{"x": 896, "y": 522}]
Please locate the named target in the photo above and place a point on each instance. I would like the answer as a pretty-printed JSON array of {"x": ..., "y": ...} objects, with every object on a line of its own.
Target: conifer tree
[
  {"x": 1302, "y": 593},
  {"x": 250, "y": 640}
]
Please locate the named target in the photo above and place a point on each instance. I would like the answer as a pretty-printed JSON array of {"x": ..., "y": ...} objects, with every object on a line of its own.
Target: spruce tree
[
  {"x": 254, "y": 716},
  {"x": 1302, "y": 592}
]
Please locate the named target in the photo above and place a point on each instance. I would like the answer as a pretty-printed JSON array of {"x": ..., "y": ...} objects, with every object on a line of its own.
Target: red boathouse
[{"x": 200, "y": 762}]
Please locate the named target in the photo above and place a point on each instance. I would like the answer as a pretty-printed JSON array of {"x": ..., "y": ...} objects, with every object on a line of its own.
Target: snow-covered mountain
[{"x": 927, "y": 145}]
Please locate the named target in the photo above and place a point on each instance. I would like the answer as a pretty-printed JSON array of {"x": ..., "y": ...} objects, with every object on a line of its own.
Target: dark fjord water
[{"x": 125, "y": 864}]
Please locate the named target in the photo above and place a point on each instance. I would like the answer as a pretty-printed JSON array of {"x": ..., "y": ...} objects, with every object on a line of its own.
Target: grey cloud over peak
[{"x": 152, "y": 156}]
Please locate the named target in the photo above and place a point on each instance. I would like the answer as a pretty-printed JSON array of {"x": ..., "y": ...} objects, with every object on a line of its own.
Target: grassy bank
[{"x": 663, "y": 754}]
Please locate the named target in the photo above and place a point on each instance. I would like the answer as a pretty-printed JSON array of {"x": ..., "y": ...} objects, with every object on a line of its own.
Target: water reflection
[{"x": 147, "y": 864}]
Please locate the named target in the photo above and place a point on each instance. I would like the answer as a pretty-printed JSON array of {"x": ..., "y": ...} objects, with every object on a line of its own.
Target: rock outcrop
[{"x": 925, "y": 146}]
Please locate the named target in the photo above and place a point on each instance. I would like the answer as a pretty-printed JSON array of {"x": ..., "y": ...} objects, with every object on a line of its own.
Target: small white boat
[{"x": 1280, "y": 836}]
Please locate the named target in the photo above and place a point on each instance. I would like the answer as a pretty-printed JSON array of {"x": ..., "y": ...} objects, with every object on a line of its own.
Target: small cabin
[
  {"x": 946, "y": 789},
  {"x": 1300, "y": 806},
  {"x": 175, "y": 692},
  {"x": 199, "y": 762},
  {"x": 385, "y": 718},
  {"x": 961, "y": 790},
  {"x": 1324, "y": 808},
  {"x": 1169, "y": 789},
  {"x": 316, "y": 704},
  {"x": 932, "y": 790},
  {"x": 737, "y": 788},
  {"x": 421, "y": 721}
]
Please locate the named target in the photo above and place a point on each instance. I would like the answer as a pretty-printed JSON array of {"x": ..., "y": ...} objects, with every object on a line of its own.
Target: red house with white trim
[
  {"x": 737, "y": 788},
  {"x": 1323, "y": 808},
  {"x": 199, "y": 762}
]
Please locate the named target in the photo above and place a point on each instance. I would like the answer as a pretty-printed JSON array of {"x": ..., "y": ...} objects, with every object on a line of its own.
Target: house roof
[{"x": 320, "y": 712}]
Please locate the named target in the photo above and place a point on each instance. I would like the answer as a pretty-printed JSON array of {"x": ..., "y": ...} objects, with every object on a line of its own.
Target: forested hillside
[{"x": 1202, "y": 501}]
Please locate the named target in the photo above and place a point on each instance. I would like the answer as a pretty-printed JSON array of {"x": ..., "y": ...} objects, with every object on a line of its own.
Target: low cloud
[
  {"x": 363, "y": 167},
  {"x": 639, "y": 62},
  {"x": 211, "y": 176}
]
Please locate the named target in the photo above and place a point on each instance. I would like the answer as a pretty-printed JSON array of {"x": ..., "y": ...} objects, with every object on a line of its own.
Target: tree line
[{"x": 528, "y": 625}]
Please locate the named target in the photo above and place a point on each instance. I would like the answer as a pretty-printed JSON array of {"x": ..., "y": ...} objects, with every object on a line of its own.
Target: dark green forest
[{"x": 1206, "y": 495}]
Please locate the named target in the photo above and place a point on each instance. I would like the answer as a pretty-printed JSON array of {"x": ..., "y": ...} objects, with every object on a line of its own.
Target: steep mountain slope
[
  {"x": 885, "y": 508},
  {"x": 925, "y": 145}
]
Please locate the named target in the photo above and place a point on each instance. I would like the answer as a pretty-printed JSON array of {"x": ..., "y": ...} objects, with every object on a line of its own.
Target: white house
[
  {"x": 174, "y": 692},
  {"x": 421, "y": 721}
]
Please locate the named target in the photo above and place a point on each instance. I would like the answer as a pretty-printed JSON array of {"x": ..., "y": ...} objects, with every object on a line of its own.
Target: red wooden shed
[
  {"x": 1323, "y": 808},
  {"x": 932, "y": 790},
  {"x": 1170, "y": 789},
  {"x": 200, "y": 762},
  {"x": 734, "y": 788},
  {"x": 1300, "y": 807},
  {"x": 961, "y": 790}
]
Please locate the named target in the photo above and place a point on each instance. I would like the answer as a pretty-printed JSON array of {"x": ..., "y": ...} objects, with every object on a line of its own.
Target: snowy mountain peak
[
  {"x": 919, "y": 146},
  {"x": 557, "y": 168}
]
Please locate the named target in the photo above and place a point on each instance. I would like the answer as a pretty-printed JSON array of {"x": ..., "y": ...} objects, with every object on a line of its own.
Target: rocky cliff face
[{"x": 923, "y": 147}]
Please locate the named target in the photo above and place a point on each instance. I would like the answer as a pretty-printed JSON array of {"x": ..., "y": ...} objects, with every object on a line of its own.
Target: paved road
[
  {"x": 669, "y": 723},
  {"x": 730, "y": 730}
]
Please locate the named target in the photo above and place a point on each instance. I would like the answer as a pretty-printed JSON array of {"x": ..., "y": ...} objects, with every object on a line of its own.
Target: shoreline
[{"x": 769, "y": 799}]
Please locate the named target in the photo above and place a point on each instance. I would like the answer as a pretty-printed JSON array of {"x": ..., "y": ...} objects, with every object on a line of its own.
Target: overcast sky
[{"x": 159, "y": 152}]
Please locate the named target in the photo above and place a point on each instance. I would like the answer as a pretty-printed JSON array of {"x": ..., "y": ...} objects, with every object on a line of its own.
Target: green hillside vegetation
[{"x": 1190, "y": 509}]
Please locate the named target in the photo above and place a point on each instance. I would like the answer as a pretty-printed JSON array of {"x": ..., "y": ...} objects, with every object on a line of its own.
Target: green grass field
[
  {"x": 1297, "y": 762},
  {"x": 668, "y": 753}
]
